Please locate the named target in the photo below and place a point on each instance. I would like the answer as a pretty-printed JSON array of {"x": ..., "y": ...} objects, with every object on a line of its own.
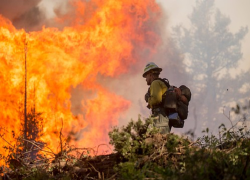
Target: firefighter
[{"x": 154, "y": 96}]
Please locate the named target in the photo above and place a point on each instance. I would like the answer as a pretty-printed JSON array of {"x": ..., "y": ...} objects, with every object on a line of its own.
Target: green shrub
[{"x": 148, "y": 154}]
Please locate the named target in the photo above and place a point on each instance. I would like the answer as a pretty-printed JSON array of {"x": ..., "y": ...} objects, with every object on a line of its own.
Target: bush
[{"x": 148, "y": 154}]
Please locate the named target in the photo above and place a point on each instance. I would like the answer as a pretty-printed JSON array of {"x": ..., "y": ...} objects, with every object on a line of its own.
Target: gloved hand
[{"x": 147, "y": 95}]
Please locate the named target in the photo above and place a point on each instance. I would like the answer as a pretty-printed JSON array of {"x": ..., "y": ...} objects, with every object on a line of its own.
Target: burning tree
[{"x": 32, "y": 124}]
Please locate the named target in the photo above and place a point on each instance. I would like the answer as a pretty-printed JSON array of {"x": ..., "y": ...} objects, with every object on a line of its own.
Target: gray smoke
[{"x": 23, "y": 13}]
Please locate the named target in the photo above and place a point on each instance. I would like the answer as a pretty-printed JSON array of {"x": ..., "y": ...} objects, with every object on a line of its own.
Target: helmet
[{"x": 151, "y": 66}]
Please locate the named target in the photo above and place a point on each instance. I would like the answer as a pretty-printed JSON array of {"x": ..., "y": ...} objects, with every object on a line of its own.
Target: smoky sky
[
  {"x": 132, "y": 86},
  {"x": 22, "y": 13}
]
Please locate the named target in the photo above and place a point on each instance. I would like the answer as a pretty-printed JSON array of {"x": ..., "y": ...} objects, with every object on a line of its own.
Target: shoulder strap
[{"x": 166, "y": 82}]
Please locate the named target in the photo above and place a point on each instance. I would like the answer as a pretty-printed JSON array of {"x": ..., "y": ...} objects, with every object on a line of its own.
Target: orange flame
[{"x": 102, "y": 40}]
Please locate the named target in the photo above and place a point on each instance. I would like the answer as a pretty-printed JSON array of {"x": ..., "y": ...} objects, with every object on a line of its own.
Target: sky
[{"x": 238, "y": 11}]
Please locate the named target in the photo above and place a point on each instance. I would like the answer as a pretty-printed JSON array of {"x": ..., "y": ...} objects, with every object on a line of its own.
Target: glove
[{"x": 147, "y": 95}]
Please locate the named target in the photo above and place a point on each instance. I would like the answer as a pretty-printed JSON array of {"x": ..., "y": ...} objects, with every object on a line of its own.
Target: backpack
[{"x": 175, "y": 102}]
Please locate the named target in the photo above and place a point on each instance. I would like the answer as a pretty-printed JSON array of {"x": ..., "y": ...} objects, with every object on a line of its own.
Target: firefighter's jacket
[{"x": 157, "y": 89}]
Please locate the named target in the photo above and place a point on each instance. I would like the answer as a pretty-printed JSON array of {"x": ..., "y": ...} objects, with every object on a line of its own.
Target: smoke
[
  {"x": 33, "y": 14},
  {"x": 23, "y": 13},
  {"x": 153, "y": 44}
]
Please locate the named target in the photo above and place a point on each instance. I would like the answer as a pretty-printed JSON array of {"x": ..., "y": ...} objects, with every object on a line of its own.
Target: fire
[{"x": 102, "y": 40}]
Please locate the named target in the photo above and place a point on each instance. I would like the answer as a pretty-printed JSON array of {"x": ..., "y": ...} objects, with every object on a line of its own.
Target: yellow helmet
[{"x": 151, "y": 67}]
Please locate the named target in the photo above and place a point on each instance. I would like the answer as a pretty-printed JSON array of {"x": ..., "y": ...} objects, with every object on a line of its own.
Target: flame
[{"x": 104, "y": 38}]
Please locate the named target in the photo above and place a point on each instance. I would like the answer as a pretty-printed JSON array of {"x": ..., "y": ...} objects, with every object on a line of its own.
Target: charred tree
[
  {"x": 25, "y": 90},
  {"x": 33, "y": 121}
]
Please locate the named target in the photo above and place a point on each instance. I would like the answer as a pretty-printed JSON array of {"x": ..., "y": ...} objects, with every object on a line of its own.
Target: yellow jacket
[{"x": 157, "y": 89}]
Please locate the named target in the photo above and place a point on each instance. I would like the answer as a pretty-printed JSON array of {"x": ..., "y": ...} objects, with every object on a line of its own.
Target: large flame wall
[{"x": 103, "y": 38}]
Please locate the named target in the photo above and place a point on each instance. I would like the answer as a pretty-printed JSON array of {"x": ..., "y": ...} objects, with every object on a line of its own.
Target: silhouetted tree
[{"x": 210, "y": 51}]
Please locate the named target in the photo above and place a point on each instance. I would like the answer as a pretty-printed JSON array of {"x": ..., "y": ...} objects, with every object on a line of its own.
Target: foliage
[
  {"x": 157, "y": 156},
  {"x": 130, "y": 140}
]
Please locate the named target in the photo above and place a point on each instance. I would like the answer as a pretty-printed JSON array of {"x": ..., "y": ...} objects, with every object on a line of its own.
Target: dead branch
[
  {"x": 6, "y": 141},
  {"x": 34, "y": 144},
  {"x": 102, "y": 145}
]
